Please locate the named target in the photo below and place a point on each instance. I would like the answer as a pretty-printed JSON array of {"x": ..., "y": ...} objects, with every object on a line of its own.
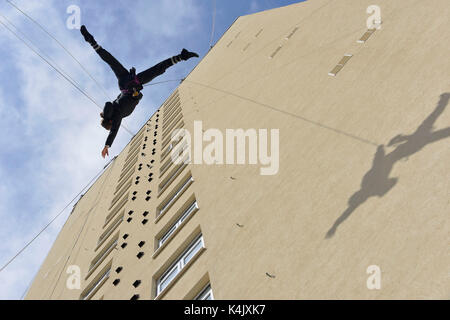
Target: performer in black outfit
[{"x": 130, "y": 85}]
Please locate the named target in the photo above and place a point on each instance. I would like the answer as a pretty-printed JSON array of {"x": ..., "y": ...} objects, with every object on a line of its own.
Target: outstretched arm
[{"x": 111, "y": 136}]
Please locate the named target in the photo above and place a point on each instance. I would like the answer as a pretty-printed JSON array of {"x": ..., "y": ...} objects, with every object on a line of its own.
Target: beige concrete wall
[{"x": 389, "y": 204}]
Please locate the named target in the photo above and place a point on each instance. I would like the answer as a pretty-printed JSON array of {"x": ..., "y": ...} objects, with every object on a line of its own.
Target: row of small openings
[
  {"x": 129, "y": 219},
  {"x": 122, "y": 188},
  {"x": 134, "y": 197},
  {"x": 347, "y": 57},
  {"x": 147, "y": 193},
  {"x": 119, "y": 269},
  {"x": 235, "y": 37},
  {"x": 288, "y": 37},
  {"x": 248, "y": 44}
]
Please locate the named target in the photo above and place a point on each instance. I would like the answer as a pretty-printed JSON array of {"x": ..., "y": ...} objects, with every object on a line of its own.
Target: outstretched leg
[
  {"x": 158, "y": 69},
  {"x": 114, "y": 64}
]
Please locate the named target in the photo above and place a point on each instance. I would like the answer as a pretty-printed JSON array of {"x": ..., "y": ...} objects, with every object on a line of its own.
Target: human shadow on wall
[{"x": 376, "y": 182}]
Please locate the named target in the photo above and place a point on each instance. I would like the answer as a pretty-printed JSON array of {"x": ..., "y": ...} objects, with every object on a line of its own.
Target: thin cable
[
  {"x": 350, "y": 135},
  {"x": 62, "y": 46},
  {"x": 96, "y": 201},
  {"x": 153, "y": 83},
  {"x": 51, "y": 221},
  {"x": 43, "y": 53},
  {"x": 57, "y": 70},
  {"x": 213, "y": 25},
  {"x": 48, "y": 62}
]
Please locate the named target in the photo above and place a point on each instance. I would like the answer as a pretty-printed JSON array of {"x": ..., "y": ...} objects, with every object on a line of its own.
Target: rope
[
  {"x": 31, "y": 41},
  {"x": 68, "y": 78},
  {"x": 350, "y": 135},
  {"x": 51, "y": 221},
  {"x": 81, "y": 231},
  {"x": 153, "y": 83},
  {"x": 62, "y": 46}
]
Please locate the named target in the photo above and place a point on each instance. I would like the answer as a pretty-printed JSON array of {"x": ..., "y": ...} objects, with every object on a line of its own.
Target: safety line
[{"x": 51, "y": 221}]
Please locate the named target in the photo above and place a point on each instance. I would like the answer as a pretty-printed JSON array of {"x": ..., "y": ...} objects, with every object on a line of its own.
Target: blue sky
[{"x": 50, "y": 138}]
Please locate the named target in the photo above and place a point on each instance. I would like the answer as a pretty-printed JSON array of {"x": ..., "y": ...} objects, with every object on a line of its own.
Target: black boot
[
  {"x": 185, "y": 55},
  {"x": 87, "y": 36}
]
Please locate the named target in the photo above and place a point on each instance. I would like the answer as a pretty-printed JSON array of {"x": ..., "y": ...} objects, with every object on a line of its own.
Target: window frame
[
  {"x": 170, "y": 200},
  {"x": 204, "y": 292},
  {"x": 179, "y": 264},
  {"x": 191, "y": 209}
]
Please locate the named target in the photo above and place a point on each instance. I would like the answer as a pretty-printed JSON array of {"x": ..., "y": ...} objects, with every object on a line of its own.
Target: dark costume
[{"x": 130, "y": 84}]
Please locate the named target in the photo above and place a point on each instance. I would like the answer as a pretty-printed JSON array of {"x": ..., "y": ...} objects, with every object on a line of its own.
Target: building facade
[{"x": 357, "y": 207}]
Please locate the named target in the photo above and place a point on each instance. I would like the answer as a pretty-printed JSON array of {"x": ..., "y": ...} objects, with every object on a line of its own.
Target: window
[
  {"x": 205, "y": 294},
  {"x": 96, "y": 284},
  {"x": 171, "y": 115},
  {"x": 168, "y": 203},
  {"x": 173, "y": 175},
  {"x": 191, "y": 209},
  {"x": 175, "y": 141},
  {"x": 124, "y": 180},
  {"x": 129, "y": 164},
  {"x": 169, "y": 138},
  {"x": 103, "y": 254},
  {"x": 116, "y": 209},
  {"x": 110, "y": 229},
  {"x": 179, "y": 264},
  {"x": 176, "y": 155},
  {"x": 178, "y": 123},
  {"x": 120, "y": 194},
  {"x": 165, "y": 166}
]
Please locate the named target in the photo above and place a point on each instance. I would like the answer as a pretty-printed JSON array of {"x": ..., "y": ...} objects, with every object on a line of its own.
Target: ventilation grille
[
  {"x": 366, "y": 36},
  {"x": 340, "y": 65}
]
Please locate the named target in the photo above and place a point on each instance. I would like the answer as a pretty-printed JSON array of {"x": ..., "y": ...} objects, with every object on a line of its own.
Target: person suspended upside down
[{"x": 130, "y": 85}]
